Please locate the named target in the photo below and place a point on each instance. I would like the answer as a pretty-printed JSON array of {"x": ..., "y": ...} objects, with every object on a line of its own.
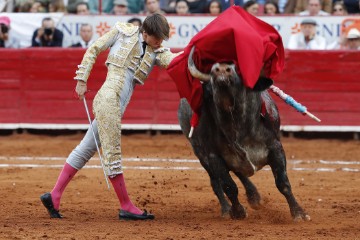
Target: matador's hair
[{"x": 156, "y": 25}]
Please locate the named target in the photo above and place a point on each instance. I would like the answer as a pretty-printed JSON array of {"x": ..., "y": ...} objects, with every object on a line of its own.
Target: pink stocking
[
  {"x": 67, "y": 173},
  {"x": 118, "y": 183}
]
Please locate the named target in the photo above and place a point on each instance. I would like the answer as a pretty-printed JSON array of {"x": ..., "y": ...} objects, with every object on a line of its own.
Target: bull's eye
[
  {"x": 228, "y": 70},
  {"x": 217, "y": 69}
]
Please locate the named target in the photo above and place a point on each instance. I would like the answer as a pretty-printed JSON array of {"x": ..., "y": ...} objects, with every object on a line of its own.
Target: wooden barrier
[
  {"x": 36, "y": 91},
  {"x": 327, "y": 83}
]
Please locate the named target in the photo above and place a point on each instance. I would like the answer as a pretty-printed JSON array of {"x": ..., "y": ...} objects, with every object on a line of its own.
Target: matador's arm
[
  {"x": 165, "y": 56},
  {"x": 100, "y": 45}
]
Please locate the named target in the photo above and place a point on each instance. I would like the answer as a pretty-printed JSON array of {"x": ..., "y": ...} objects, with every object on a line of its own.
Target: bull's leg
[
  {"x": 231, "y": 191},
  {"x": 225, "y": 206},
  {"x": 217, "y": 170},
  {"x": 252, "y": 193},
  {"x": 277, "y": 162},
  {"x": 208, "y": 164}
]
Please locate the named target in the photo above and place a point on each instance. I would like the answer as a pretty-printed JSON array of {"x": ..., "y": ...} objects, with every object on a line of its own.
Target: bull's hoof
[
  {"x": 255, "y": 201},
  {"x": 225, "y": 211},
  {"x": 238, "y": 213},
  {"x": 256, "y": 206},
  {"x": 226, "y": 215},
  {"x": 302, "y": 217}
]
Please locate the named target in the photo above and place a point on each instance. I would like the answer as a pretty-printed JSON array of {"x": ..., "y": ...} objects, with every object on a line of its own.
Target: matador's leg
[
  {"x": 108, "y": 112},
  {"x": 85, "y": 150},
  {"x": 108, "y": 116}
]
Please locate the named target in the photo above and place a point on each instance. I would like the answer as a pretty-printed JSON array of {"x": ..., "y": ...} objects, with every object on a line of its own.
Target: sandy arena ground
[{"x": 326, "y": 183}]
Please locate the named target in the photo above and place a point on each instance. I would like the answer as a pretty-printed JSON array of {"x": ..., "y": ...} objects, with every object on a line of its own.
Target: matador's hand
[{"x": 81, "y": 89}]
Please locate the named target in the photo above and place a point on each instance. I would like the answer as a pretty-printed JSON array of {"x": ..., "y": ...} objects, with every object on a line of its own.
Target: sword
[{"x": 96, "y": 143}]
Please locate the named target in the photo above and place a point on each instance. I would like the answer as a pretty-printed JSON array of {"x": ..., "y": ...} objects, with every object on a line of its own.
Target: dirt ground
[{"x": 325, "y": 182}]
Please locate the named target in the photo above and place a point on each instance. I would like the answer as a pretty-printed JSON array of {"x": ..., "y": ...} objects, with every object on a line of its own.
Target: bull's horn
[{"x": 194, "y": 71}]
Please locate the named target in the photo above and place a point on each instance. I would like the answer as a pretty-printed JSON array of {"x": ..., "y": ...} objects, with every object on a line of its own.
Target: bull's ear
[{"x": 263, "y": 83}]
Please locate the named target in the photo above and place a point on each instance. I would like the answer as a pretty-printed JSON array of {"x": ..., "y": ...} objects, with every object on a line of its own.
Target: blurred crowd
[
  {"x": 48, "y": 35},
  {"x": 182, "y": 7}
]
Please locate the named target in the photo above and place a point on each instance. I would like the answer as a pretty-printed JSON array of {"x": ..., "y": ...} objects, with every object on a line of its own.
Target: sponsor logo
[
  {"x": 172, "y": 30},
  {"x": 102, "y": 28}
]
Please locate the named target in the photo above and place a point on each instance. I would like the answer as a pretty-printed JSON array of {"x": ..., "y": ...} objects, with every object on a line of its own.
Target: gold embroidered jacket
[{"x": 125, "y": 52}]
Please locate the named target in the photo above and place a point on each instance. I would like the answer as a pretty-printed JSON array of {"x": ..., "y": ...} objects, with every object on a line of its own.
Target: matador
[{"x": 133, "y": 54}]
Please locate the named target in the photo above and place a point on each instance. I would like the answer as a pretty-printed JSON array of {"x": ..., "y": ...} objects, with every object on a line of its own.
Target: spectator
[
  {"x": 225, "y": 4},
  {"x": 251, "y": 7},
  {"x": 197, "y": 6},
  {"x": 24, "y": 6},
  {"x": 313, "y": 7},
  {"x": 152, "y": 6},
  {"x": 135, "y": 21},
  {"x": 214, "y": 7},
  {"x": 168, "y": 6},
  {"x": 82, "y": 8},
  {"x": 352, "y": 41},
  {"x": 47, "y": 35},
  {"x": 182, "y": 7},
  {"x": 71, "y": 5},
  {"x": 339, "y": 9},
  {"x": 352, "y": 6},
  {"x": 286, "y": 6},
  {"x": 135, "y": 6},
  {"x": 7, "y": 40},
  {"x": 307, "y": 38},
  {"x": 38, "y": 7},
  {"x": 86, "y": 34},
  {"x": 106, "y": 6},
  {"x": 120, "y": 7},
  {"x": 57, "y": 6},
  {"x": 271, "y": 8}
]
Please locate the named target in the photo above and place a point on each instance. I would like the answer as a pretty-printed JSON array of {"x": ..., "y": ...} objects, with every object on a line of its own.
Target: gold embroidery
[
  {"x": 93, "y": 51},
  {"x": 146, "y": 65},
  {"x": 123, "y": 54},
  {"x": 161, "y": 49},
  {"x": 108, "y": 115},
  {"x": 163, "y": 59},
  {"x": 128, "y": 29}
]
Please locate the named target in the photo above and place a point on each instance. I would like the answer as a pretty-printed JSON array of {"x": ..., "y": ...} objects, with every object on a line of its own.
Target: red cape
[{"x": 233, "y": 36}]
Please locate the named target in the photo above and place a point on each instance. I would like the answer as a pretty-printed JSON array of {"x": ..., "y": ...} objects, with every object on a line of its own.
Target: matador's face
[{"x": 152, "y": 41}]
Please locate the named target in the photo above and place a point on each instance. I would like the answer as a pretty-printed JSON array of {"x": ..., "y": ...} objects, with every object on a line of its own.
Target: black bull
[{"x": 233, "y": 135}]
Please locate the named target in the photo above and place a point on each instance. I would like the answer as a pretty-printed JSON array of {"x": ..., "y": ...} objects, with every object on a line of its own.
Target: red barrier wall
[
  {"x": 36, "y": 90},
  {"x": 327, "y": 83}
]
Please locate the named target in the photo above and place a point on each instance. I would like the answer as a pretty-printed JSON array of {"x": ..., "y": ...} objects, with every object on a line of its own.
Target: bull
[{"x": 234, "y": 134}]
